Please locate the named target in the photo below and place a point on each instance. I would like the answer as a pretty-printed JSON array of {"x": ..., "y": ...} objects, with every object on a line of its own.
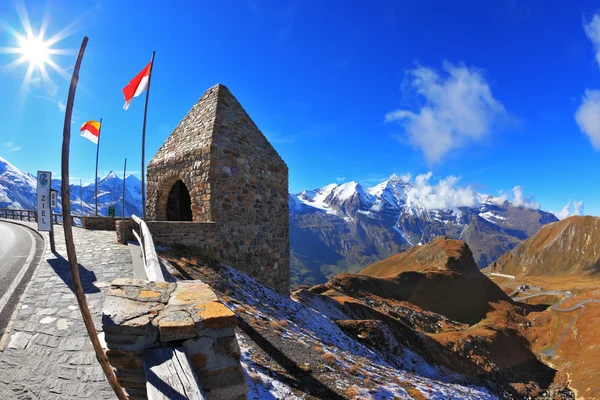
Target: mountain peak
[
  {"x": 569, "y": 247},
  {"x": 132, "y": 177},
  {"x": 395, "y": 179},
  {"x": 442, "y": 253}
]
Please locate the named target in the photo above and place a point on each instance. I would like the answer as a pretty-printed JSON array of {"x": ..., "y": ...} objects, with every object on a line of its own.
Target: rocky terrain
[
  {"x": 423, "y": 324},
  {"x": 344, "y": 228},
  {"x": 436, "y": 298},
  {"x": 557, "y": 270}
]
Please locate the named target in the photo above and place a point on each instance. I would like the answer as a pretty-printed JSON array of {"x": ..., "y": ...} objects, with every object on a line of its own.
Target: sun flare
[{"x": 36, "y": 50}]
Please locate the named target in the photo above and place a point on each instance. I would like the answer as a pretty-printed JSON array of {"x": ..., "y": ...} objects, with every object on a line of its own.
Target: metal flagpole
[
  {"x": 124, "y": 171},
  {"x": 97, "y": 152},
  {"x": 80, "y": 199},
  {"x": 144, "y": 139}
]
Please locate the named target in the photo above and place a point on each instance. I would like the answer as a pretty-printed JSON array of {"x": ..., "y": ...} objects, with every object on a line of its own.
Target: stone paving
[{"x": 48, "y": 354}]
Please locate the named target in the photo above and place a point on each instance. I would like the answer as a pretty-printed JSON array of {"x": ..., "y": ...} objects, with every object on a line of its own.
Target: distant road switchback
[{"x": 551, "y": 352}]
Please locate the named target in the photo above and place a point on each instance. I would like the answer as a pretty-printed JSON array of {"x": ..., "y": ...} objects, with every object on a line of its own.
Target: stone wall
[
  {"x": 203, "y": 235},
  {"x": 140, "y": 315},
  {"x": 185, "y": 156},
  {"x": 100, "y": 223},
  {"x": 124, "y": 230},
  {"x": 249, "y": 196},
  {"x": 235, "y": 179}
]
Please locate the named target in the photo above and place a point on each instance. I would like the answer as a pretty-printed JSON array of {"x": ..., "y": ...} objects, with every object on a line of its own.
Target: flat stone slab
[{"x": 49, "y": 355}]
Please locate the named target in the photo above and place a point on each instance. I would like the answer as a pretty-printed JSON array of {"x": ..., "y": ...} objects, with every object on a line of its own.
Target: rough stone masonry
[
  {"x": 139, "y": 315},
  {"x": 218, "y": 168}
]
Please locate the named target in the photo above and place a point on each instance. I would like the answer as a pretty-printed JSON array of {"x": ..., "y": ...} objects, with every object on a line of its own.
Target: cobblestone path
[{"x": 48, "y": 354}]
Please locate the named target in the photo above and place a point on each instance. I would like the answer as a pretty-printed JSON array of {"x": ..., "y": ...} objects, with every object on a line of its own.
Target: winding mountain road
[
  {"x": 551, "y": 352},
  {"x": 20, "y": 252}
]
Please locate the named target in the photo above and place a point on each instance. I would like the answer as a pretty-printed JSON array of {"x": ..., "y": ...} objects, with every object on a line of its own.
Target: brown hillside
[
  {"x": 441, "y": 253},
  {"x": 567, "y": 247},
  {"x": 441, "y": 277},
  {"x": 434, "y": 300}
]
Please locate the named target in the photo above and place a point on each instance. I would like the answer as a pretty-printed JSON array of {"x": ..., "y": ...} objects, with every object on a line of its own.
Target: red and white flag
[{"x": 137, "y": 85}]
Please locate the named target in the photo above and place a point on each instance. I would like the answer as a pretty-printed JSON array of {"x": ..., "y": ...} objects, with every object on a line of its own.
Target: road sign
[
  {"x": 53, "y": 198},
  {"x": 111, "y": 211},
  {"x": 44, "y": 181}
]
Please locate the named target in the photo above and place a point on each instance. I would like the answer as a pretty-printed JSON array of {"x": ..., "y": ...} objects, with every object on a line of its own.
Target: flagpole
[
  {"x": 80, "y": 200},
  {"x": 97, "y": 152},
  {"x": 124, "y": 171},
  {"x": 144, "y": 139}
]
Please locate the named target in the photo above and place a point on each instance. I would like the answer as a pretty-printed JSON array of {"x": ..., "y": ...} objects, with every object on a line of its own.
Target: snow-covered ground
[{"x": 311, "y": 323}]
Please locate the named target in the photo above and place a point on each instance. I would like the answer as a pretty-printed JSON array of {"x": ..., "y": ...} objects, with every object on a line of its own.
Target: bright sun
[{"x": 34, "y": 50}]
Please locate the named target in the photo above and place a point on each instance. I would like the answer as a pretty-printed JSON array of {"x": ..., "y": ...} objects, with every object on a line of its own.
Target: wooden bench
[{"x": 169, "y": 375}]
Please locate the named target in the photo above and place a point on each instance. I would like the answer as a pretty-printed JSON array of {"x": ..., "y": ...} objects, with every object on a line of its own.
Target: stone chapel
[{"x": 218, "y": 184}]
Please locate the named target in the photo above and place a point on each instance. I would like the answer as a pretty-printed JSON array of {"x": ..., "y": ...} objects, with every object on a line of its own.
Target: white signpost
[
  {"x": 53, "y": 200},
  {"x": 44, "y": 212}
]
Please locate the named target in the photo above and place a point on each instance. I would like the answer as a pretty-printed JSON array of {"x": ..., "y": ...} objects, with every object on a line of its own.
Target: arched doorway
[{"x": 179, "y": 203}]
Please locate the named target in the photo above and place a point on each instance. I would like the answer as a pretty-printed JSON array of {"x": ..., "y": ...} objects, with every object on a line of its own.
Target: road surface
[
  {"x": 20, "y": 252},
  {"x": 551, "y": 352}
]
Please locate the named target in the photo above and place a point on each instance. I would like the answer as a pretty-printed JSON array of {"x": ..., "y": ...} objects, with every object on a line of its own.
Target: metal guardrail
[
  {"x": 151, "y": 263},
  {"x": 31, "y": 215},
  {"x": 22, "y": 215}
]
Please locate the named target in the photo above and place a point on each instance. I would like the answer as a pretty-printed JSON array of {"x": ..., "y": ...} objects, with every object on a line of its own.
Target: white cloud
[
  {"x": 572, "y": 208},
  {"x": 592, "y": 30},
  {"x": 61, "y": 106},
  {"x": 444, "y": 194},
  {"x": 588, "y": 116},
  {"x": 521, "y": 201},
  {"x": 501, "y": 198},
  {"x": 459, "y": 109},
  {"x": 406, "y": 176},
  {"x": 11, "y": 146},
  {"x": 340, "y": 178}
]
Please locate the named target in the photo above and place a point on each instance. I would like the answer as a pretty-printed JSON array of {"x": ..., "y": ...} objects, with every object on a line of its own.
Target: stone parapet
[
  {"x": 139, "y": 315},
  {"x": 124, "y": 230},
  {"x": 198, "y": 234},
  {"x": 100, "y": 223}
]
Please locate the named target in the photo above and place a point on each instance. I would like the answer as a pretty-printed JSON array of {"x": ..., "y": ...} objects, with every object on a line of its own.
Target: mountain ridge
[
  {"x": 570, "y": 247},
  {"x": 18, "y": 191},
  {"x": 345, "y": 227}
]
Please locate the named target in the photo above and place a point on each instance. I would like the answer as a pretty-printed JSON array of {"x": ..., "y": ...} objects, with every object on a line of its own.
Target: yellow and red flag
[{"x": 91, "y": 130}]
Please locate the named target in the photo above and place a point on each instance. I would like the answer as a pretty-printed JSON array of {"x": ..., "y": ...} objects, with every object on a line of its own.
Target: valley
[{"x": 565, "y": 335}]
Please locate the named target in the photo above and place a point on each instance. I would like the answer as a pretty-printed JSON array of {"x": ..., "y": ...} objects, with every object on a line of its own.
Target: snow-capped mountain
[
  {"x": 344, "y": 227},
  {"x": 18, "y": 190},
  {"x": 339, "y": 227}
]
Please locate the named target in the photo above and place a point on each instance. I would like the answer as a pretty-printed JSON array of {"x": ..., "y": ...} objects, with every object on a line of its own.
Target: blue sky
[{"x": 484, "y": 91}]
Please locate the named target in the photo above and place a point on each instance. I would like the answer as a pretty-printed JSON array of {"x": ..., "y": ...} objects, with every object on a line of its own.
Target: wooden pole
[
  {"x": 51, "y": 233},
  {"x": 124, "y": 171},
  {"x": 144, "y": 139},
  {"x": 97, "y": 153},
  {"x": 68, "y": 227}
]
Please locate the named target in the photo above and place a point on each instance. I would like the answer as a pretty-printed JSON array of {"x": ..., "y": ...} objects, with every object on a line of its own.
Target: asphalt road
[
  {"x": 551, "y": 352},
  {"x": 20, "y": 253}
]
